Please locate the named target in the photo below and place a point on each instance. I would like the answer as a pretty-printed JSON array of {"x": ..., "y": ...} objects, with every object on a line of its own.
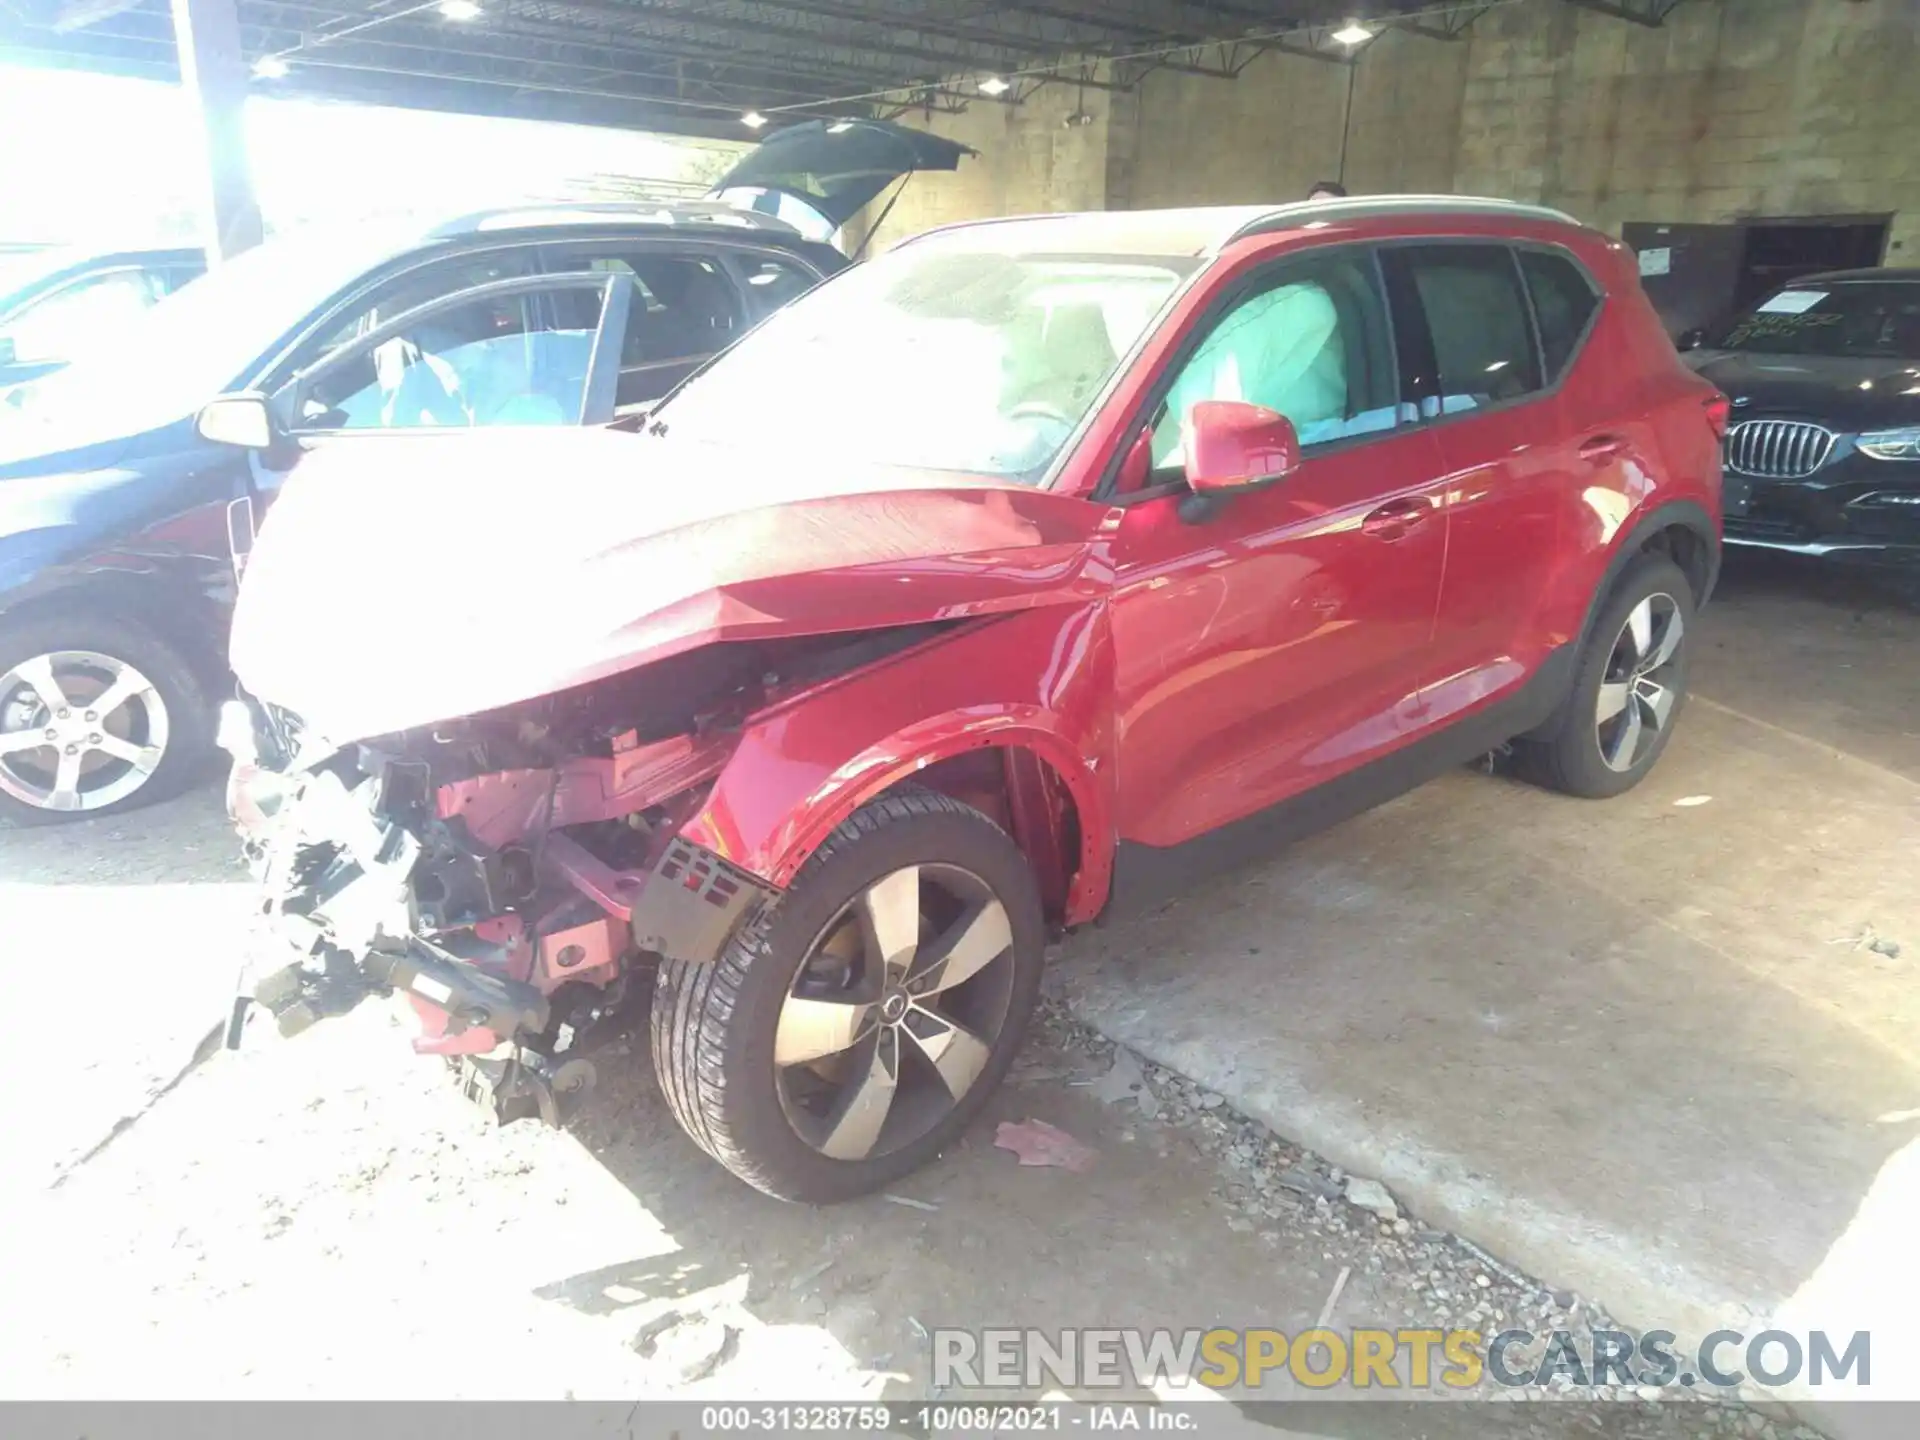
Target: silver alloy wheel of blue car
[{"x": 79, "y": 731}]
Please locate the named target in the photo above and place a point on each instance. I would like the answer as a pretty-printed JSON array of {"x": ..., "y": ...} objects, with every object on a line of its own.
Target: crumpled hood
[{"x": 399, "y": 581}]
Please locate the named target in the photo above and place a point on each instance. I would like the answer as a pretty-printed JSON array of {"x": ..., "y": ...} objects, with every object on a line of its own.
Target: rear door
[
  {"x": 689, "y": 303},
  {"x": 1481, "y": 383}
]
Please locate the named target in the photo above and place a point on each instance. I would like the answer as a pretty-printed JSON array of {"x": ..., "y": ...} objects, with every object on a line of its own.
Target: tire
[
  {"x": 1589, "y": 756},
  {"x": 717, "y": 1028},
  {"x": 160, "y": 731}
]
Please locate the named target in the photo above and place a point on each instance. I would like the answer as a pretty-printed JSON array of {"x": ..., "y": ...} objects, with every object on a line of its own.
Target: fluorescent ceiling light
[
  {"x": 460, "y": 9},
  {"x": 994, "y": 85},
  {"x": 1353, "y": 33},
  {"x": 270, "y": 67},
  {"x": 753, "y": 119}
]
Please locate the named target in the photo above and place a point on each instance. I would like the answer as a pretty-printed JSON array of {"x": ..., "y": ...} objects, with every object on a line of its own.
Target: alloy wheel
[
  {"x": 78, "y": 731},
  {"x": 894, "y": 1013},
  {"x": 1640, "y": 686}
]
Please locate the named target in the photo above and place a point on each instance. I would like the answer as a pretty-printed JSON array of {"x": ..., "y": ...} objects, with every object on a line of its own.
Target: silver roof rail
[{"x": 1372, "y": 206}]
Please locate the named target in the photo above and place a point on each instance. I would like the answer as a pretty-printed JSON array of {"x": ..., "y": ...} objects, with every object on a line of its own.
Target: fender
[
  {"x": 1040, "y": 680},
  {"x": 1627, "y": 546},
  {"x": 1664, "y": 516}
]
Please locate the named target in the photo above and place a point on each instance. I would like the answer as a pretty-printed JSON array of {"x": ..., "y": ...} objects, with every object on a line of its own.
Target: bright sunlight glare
[{"x": 127, "y": 170}]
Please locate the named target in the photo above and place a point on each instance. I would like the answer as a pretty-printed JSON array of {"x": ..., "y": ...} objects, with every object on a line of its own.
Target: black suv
[
  {"x": 1823, "y": 453},
  {"x": 124, "y": 516},
  {"x": 116, "y": 537}
]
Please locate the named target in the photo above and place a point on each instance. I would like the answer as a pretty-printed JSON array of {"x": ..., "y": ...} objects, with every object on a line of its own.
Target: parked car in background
[
  {"x": 55, "y": 303},
  {"x": 116, "y": 542},
  {"x": 1823, "y": 455},
  {"x": 1026, "y": 564},
  {"x": 121, "y": 526}
]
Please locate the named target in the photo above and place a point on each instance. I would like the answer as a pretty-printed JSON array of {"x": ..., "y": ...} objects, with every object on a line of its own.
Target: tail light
[{"x": 1719, "y": 411}]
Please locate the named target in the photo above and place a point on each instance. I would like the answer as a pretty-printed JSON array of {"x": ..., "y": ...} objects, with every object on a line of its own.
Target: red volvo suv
[{"x": 966, "y": 599}]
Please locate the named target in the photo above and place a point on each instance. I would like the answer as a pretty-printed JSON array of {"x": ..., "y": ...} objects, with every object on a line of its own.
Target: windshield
[
  {"x": 1868, "y": 319},
  {"x": 165, "y": 363},
  {"x": 946, "y": 354}
]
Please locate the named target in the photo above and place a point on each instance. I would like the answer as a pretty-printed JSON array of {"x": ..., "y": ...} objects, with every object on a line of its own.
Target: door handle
[
  {"x": 1601, "y": 447},
  {"x": 1394, "y": 519}
]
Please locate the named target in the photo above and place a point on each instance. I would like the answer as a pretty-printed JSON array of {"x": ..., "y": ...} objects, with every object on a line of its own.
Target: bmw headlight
[{"x": 1891, "y": 444}]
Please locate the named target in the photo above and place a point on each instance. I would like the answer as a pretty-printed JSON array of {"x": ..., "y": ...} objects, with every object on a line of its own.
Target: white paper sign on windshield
[{"x": 1792, "y": 302}]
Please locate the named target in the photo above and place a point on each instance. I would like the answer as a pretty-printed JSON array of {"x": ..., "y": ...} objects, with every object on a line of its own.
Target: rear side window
[
  {"x": 1477, "y": 316},
  {"x": 1563, "y": 302},
  {"x": 685, "y": 307}
]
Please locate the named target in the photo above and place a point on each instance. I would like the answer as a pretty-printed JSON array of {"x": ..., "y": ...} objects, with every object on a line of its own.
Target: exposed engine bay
[{"x": 515, "y": 873}]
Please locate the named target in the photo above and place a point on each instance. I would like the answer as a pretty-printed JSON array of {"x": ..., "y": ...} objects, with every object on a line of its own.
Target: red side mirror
[{"x": 1233, "y": 446}]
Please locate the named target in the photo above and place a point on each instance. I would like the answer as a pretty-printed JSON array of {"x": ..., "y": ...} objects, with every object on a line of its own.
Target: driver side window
[
  {"x": 1312, "y": 344},
  {"x": 496, "y": 360}
]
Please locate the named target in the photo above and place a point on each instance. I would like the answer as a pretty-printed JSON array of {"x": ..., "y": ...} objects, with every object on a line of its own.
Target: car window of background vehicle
[
  {"x": 512, "y": 360},
  {"x": 1310, "y": 345},
  {"x": 401, "y": 294},
  {"x": 938, "y": 355},
  {"x": 1870, "y": 319},
  {"x": 71, "y": 320},
  {"x": 1477, "y": 315},
  {"x": 685, "y": 308},
  {"x": 170, "y": 360}
]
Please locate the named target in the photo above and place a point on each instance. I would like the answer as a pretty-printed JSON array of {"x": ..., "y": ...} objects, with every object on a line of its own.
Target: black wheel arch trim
[
  {"x": 1687, "y": 514},
  {"x": 168, "y": 606}
]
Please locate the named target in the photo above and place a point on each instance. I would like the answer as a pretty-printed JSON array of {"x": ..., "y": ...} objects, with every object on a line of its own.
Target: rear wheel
[
  {"x": 854, "y": 1032},
  {"x": 1630, "y": 688},
  {"x": 96, "y": 716}
]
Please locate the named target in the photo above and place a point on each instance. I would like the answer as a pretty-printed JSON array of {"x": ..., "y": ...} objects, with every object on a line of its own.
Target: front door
[
  {"x": 529, "y": 350},
  {"x": 1281, "y": 640}
]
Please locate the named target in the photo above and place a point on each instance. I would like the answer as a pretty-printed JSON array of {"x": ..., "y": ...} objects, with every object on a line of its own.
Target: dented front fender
[{"x": 1039, "y": 680}]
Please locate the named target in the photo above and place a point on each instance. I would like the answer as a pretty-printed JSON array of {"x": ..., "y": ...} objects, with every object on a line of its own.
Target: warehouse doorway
[{"x": 1697, "y": 275}]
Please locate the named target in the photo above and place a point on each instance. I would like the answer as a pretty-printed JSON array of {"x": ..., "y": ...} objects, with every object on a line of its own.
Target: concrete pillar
[{"x": 213, "y": 70}]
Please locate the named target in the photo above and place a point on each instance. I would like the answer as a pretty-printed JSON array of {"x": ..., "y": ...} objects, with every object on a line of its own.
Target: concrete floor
[{"x": 1643, "y": 1048}]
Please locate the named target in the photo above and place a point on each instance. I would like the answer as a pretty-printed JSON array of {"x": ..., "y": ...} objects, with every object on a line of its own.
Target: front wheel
[
  {"x": 97, "y": 715},
  {"x": 850, "y": 1035},
  {"x": 1630, "y": 687}
]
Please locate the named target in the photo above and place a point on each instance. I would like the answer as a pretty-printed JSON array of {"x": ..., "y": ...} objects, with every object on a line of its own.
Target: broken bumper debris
[{"x": 515, "y": 943}]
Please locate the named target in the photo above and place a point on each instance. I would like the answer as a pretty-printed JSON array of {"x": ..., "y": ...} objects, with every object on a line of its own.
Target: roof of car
[
  {"x": 1836, "y": 277},
  {"x": 1206, "y": 230},
  {"x": 679, "y": 215}
]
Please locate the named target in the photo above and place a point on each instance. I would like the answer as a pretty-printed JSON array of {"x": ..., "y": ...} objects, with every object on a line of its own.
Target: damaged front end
[{"x": 513, "y": 875}]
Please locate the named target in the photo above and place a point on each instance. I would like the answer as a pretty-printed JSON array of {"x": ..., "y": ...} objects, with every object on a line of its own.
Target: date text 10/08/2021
[{"x": 947, "y": 1419}]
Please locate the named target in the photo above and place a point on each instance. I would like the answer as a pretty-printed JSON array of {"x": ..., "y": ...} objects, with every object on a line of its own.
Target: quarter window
[
  {"x": 773, "y": 283},
  {"x": 1563, "y": 302},
  {"x": 1476, "y": 314}
]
